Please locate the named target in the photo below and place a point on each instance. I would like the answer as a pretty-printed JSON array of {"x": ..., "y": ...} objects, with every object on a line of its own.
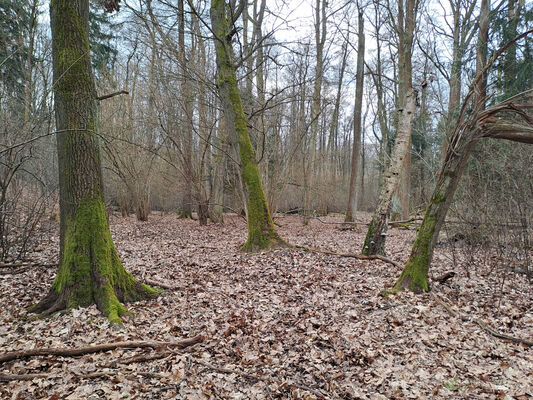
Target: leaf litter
[{"x": 283, "y": 324}]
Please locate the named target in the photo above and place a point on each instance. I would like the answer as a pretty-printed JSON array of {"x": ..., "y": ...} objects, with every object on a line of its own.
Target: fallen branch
[
  {"x": 16, "y": 355},
  {"x": 137, "y": 359},
  {"x": 339, "y": 223},
  {"x": 162, "y": 285},
  {"x": 102, "y": 374},
  {"x": 483, "y": 325},
  {"x": 20, "y": 377},
  {"x": 15, "y": 271},
  {"x": 358, "y": 256},
  {"x": 26, "y": 264},
  {"x": 12, "y": 265},
  {"x": 445, "y": 277}
]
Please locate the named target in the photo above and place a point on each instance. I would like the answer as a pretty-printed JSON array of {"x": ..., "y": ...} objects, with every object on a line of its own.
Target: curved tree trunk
[
  {"x": 415, "y": 273},
  {"x": 466, "y": 134},
  {"x": 261, "y": 231},
  {"x": 377, "y": 230},
  {"x": 90, "y": 271}
]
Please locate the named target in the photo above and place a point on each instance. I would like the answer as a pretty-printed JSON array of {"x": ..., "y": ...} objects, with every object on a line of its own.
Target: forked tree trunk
[
  {"x": 261, "y": 231},
  {"x": 90, "y": 271},
  {"x": 377, "y": 230}
]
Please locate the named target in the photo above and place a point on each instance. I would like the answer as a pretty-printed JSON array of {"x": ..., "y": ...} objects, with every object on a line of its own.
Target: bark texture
[
  {"x": 515, "y": 112},
  {"x": 90, "y": 271},
  {"x": 377, "y": 230},
  {"x": 261, "y": 231}
]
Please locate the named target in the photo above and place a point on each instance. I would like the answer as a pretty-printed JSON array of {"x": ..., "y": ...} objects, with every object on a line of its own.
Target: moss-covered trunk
[
  {"x": 415, "y": 274},
  {"x": 90, "y": 271},
  {"x": 261, "y": 231},
  {"x": 377, "y": 230}
]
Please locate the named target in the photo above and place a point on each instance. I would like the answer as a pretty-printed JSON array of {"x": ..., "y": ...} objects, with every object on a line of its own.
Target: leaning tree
[
  {"x": 261, "y": 231},
  {"x": 511, "y": 119},
  {"x": 90, "y": 270}
]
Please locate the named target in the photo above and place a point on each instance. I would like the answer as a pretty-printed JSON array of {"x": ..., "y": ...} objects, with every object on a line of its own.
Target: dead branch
[
  {"x": 162, "y": 285},
  {"x": 483, "y": 325},
  {"x": 12, "y": 265},
  {"x": 358, "y": 256},
  {"x": 405, "y": 221},
  {"x": 20, "y": 377},
  {"x": 15, "y": 271},
  {"x": 16, "y": 355},
  {"x": 26, "y": 264},
  {"x": 108, "y": 96},
  {"x": 103, "y": 374},
  {"x": 137, "y": 359},
  {"x": 339, "y": 223},
  {"x": 445, "y": 277}
]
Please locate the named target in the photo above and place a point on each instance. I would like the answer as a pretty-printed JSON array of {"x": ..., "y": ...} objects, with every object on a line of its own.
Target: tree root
[
  {"x": 73, "y": 352},
  {"x": 358, "y": 256},
  {"x": 483, "y": 325}
]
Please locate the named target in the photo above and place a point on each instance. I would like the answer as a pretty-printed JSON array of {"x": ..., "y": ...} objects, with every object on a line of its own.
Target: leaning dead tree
[{"x": 510, "y": 120}]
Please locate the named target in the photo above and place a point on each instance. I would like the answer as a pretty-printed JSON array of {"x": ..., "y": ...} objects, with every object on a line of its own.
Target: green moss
[
  {"x": 439, "y": 198},
  {"x": 368, "y": 238},
  {"x": 414, "y": 277},
  {"x": 90, "y": 270},
  {"x": 261, "y": 231}
]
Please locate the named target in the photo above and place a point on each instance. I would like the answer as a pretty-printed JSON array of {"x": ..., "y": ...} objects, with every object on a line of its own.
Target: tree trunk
[
  {"x": 320, "y": 39},
  {"x": 261, "y": 231},
  {"x": 186, "y": 115},
  {"x": 415, "y": 274},
  {"x": 377, "y": 230},
  {"x": 352, "y": 199},
  {"x": 90, "y": 271}
]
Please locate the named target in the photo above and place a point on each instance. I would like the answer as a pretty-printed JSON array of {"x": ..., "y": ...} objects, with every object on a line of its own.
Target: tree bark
[
  {"x": 186, "y": 116},
  {"x": 377, "y": 230},
  {"x": 415, "y": 274},
  {"x": 90, "y": 271},
  {"x": 261, "y": 231},
  {"x": 358, "y": 106},
  {"x": 320, "y": 40}
]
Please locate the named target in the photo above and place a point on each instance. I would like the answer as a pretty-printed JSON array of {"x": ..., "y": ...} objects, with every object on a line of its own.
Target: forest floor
[{"x": 284, "y": 324}]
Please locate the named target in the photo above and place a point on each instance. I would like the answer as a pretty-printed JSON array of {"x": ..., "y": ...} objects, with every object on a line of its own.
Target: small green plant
[{"x": 452, "y": 384}]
